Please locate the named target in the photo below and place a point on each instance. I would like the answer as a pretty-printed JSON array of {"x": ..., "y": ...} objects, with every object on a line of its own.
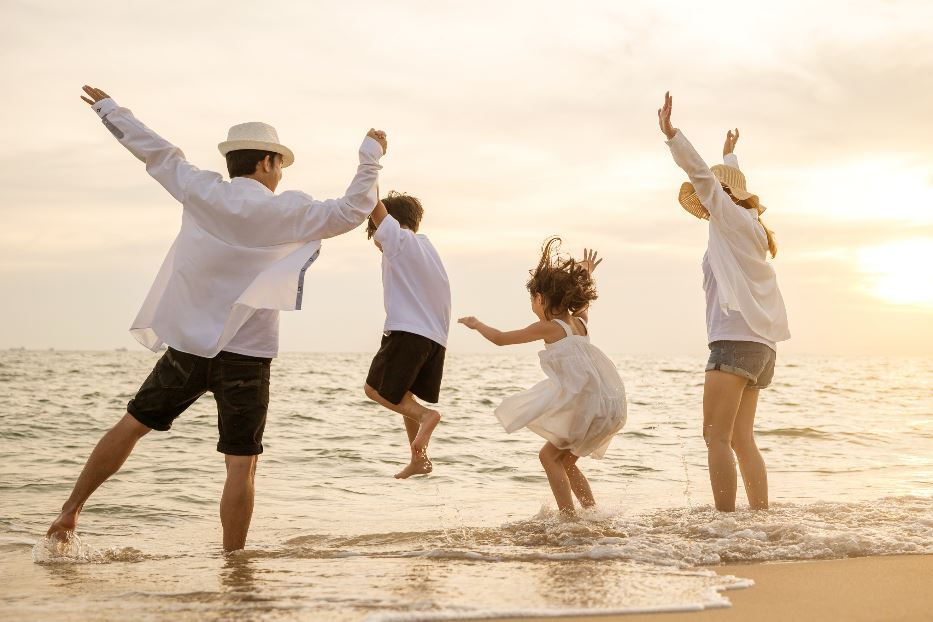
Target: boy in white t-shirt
[{"x": 410, "y": 361}]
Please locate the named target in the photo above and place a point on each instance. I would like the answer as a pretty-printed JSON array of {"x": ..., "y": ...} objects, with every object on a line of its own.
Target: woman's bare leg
[
  {"x": 752, "y": 465},
  {"x": 417, "y": 418},
  {"x": 722, "y": 394},
  {"x": 578, "y": 482},
  {"x": 552, "y": 460},
  {"x": 108, "y": 456}
]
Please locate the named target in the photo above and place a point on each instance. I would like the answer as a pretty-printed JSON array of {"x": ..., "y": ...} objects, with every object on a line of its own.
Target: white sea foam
[{"x": 73, "y": 550}]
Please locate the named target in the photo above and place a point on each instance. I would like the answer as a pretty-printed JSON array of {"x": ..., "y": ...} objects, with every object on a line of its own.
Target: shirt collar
[{"x": 250, "y": 182}]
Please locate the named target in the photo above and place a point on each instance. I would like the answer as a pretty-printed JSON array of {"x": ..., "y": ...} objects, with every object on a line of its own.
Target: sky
[{"x": 511, "y": 121}]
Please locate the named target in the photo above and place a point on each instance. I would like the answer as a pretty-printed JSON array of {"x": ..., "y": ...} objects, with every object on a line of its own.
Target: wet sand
[{"x": 895, "y": 588}]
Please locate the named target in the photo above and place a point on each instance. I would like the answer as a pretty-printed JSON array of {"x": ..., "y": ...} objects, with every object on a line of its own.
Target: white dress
[{"x": 580, "y": 406}]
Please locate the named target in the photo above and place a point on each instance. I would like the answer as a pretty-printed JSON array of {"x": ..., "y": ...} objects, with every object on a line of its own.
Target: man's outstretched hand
[
  {"x": 96, "y": 95},
  {"x": 378, "y": 135}
]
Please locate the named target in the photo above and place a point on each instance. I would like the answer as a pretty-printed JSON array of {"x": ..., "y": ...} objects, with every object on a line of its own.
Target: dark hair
[
  {"x": 404, "y": 208},
  {"x": 243, "y": 162},
  {"x": 564, "y": 284}
]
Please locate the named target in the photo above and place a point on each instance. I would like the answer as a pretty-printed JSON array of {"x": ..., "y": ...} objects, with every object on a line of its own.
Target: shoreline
[{"x": 857, "y": 589}]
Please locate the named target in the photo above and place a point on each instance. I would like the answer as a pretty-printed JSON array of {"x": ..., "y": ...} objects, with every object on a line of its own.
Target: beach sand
[{"x": 895, "y": 588}]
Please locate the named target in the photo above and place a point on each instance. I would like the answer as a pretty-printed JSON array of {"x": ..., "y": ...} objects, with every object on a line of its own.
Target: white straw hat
[
  {"x": 256, "y": 135},
  {"x": 728, "y": 176}
]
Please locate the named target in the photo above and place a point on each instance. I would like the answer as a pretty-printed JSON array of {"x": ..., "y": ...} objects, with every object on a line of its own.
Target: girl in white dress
[{"x": 581, "y": 405}]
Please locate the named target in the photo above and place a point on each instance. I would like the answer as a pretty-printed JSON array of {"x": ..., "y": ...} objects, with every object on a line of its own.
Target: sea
[{"x": 848, "y": 442}]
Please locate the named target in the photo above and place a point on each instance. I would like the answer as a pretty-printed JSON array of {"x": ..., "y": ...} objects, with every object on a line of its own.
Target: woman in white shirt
[{"x": 745, "y": 314}]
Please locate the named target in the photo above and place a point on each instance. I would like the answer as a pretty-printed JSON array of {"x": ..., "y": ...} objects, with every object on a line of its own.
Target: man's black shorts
[
  {"x": 240, "y": 385},
  {"x": 407, "y": 362}
]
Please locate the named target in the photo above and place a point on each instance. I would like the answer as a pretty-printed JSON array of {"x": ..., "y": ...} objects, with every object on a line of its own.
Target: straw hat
[
  {"x": 256, "y": 135},
  {"x": 730, "y": 177}
]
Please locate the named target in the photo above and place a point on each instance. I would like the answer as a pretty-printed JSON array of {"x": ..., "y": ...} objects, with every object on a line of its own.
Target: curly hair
[
  {"x": 564, "y": 284},
  {"x": 404, "y": 208}
]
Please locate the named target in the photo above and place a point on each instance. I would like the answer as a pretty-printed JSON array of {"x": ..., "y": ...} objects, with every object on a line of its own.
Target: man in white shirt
[
  {"x": 416, "y": 292},
  {"x": 239, "y": 258}
]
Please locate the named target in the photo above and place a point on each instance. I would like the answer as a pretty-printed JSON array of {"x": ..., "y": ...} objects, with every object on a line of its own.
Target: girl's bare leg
[
  {"x": 578, "y": 482},
  {"x": 552, "y": 460},
  {"x": 752, "y": 465},
  {"x": 722, "y": 394},
  {"x": 419, "y": 420}
]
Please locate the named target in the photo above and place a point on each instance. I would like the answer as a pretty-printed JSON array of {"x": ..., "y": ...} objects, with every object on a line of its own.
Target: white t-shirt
[
  {"x": 259, "y": 335},
  {"x": 722, "y": 326},
  {"x": 414, "y": 283}
]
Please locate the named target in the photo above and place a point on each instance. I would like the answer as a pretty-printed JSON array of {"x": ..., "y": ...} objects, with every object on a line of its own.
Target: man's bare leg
[
  {"x": 418, "y": 418},
  {"x": 108, "y": 456},
  {"x": 236, "y": 504}
]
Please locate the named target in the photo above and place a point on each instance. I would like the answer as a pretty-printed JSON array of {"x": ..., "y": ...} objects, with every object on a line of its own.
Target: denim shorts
[
  {"x": 240, "y": 385},
  {"x": 748, "y": 359}
]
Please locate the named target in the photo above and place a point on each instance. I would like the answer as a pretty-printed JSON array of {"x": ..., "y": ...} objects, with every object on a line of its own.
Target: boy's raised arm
[{"x": 164, "y": 161}]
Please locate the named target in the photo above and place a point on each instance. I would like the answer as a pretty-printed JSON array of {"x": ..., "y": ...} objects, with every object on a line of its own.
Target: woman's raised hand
[
  {"x": 589, "y": 260},
  {"x": 731, "y": 139},
  {"x": 664, "y": 116}
]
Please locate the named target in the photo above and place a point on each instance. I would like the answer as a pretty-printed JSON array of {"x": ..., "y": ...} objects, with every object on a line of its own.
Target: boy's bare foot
[
  {"x": 419, "y": 465},
  {"x": 426, "y": 426},
  {"x": 63, "y": 525}
]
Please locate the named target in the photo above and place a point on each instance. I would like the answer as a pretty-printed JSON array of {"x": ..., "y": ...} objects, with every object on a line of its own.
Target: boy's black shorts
[
  {"x": 240, "y": 385},
  {"x": 407, "y": 362}
]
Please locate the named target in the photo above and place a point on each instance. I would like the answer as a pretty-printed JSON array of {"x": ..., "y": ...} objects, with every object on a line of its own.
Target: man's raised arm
[
  {"x": 304, "y": 218},
  {"x": 164, "y": 161}
]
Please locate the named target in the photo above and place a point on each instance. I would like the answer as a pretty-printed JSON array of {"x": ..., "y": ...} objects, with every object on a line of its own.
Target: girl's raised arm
[
  {"x": 548, "y": 331},
  {"x": 589, "y": 263}
]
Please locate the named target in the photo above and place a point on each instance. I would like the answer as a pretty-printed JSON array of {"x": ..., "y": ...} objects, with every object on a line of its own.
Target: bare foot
[
  {"x": 419, "y": 465},
  {"x": 63, "y": 525},
  {"x": 426, "y": 427}
]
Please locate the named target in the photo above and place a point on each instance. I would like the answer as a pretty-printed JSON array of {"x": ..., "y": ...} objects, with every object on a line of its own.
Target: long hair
[
  {"x": 564, "y": 284},
  {"x": 772, "y": 243}
]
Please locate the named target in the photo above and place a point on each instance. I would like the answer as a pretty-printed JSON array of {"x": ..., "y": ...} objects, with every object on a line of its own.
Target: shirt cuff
[
  {"x": 104, "y": 107},
  {"x": 370, "y": 151},
  {"x": 678, "y": 137},
  {"x": 730, "y": 159}
]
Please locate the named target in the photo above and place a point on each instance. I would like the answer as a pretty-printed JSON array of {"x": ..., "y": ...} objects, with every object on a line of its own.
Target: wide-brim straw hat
[
  {"x": 256, "y": 135},
  {"x": 728, "y": 176}
]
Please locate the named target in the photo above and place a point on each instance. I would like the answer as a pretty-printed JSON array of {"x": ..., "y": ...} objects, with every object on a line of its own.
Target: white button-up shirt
[
  {"x": 241, "y": 247},
  {"x": 415, "y": 287},
  {"x": 737, "y": 252}
]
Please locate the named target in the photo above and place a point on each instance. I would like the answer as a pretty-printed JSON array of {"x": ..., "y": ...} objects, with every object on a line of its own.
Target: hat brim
[
  {"x": 688, "y": 199},
  {"x": 235, "y": 145}
]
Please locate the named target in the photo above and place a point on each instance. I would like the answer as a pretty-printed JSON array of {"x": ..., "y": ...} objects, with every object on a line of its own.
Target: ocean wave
[{"x": 680, "y": 537}]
